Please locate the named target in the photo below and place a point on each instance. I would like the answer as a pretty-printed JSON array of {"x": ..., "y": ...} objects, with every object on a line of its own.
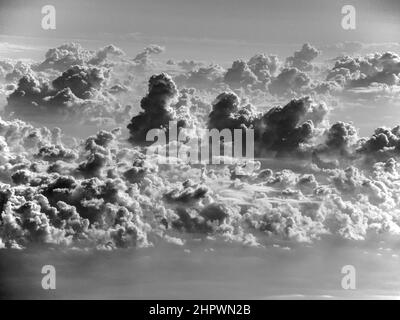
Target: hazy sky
[{"x": 207, "y": 28}]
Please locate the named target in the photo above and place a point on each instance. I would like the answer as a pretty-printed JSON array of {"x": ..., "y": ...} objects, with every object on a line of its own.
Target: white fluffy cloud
[{"x": 313, "y": 179}]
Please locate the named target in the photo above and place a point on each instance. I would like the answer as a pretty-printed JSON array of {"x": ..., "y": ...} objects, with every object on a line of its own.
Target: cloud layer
[{"x": 312, "y": 177}]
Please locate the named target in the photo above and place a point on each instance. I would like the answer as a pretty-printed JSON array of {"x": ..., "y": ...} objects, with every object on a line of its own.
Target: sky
[
  {"x": 208, "y": 29},
  {"x": 79, "y": 187}
]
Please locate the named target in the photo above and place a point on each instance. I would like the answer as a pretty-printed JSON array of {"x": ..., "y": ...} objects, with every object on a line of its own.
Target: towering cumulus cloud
[{"x": 157, "y": 110}]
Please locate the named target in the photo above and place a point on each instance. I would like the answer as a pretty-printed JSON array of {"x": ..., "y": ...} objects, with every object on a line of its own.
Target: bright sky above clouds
[{"x": 208, "y": 29}]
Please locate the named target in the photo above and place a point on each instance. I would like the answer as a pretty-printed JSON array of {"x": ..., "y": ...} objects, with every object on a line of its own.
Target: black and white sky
[
  {"x": 199, "y": 29},
  {"x": 323, "y": 103}
]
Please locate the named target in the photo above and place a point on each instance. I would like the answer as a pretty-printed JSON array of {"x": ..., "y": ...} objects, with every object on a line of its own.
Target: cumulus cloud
[
  {"x": 18, "y": 70},
  {"x": 341, "y": 138},
  {"x": 101, "y": 55},
  {"x": 278, "y": 131},
  {"x": 144, "y": 58},
  {"x": 78, "y": 93},
  {"x": 240, "y": 75},
  {"x": 189, "y": 65},
  {"x": 202, "y": 78},
  {"x": 285, "y": 129},
  {"x": 302, "y": 59},
  {"x": 252, "y": 74},
  {"x": 228, "y": 114},
  {"x": 188, "y": 193},
  {"x": 71, "y": 54},
  {"x": 156, "y": 105},
  {"x": 81, "y": 80},
  {"x": 351, "y": 72},
  {"x": 263, "y": 66},
  {"x": 289, "y": 82},
  {"x": 102, "y": 192},
  {"x": 382, "y": 145}
]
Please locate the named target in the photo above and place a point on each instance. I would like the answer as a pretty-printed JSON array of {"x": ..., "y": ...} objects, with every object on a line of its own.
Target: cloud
[
  {"x": 82, "y": 81},
  {"x": 189, "y": 65},
  {"x": 285, "y": 129},
  {"x": 227, "y": 114},
  {"x": 240, "y": 75},
  {"x": 351, "y": 72},
  {"x": 312, "y": 179},
  {"x": 14, "y": 71},
  {"x": 279, "y": 131},
  {"x": 107, "y": 196},
  {"x": 144, "y": 58},
  {"x": 203, "y": 78},
  {"x": 252, "y": 74},
  {"x": 78, "y": 93},
  {"x": 188, "y": 193},
  {"x": 101, "y": 55},
  {"x": 156, "y": 105},
  {"x": 289, "y": 82},
  {"x": 341, "y": 139},
  {"x": 263, "y": 66},
  {"x": 302, "y": 59},
  {"x": 71, "y": 54}
]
